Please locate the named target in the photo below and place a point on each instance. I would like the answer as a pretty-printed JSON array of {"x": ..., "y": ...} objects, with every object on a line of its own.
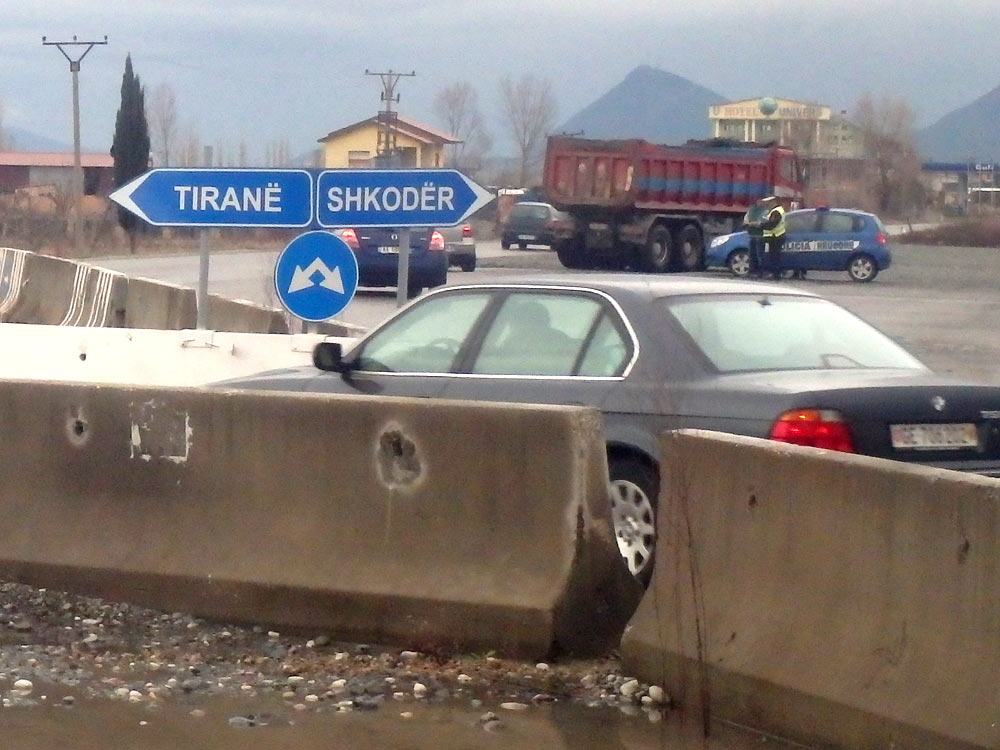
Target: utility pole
[
  {"x": 385, "y": 147},
  {"x": 74, "y": 69}
]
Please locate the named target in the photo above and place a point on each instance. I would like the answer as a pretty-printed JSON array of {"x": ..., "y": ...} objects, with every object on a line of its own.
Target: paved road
[{"x": 942, "y": 303}]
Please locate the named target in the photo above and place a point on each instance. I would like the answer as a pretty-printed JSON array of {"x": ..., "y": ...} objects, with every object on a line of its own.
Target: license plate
[
  {"x": 386, "y": 250},
  {"x": 466, "y": 240},
  {"x": 924, "y": 437},
  {"x": 526, "y": 236}
]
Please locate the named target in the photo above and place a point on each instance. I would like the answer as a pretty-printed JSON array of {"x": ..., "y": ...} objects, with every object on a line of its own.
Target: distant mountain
[
  {"x": 651, "y": 104},
  {"x": 969, "y": 132},
  {"x": 19, "y": 139}
]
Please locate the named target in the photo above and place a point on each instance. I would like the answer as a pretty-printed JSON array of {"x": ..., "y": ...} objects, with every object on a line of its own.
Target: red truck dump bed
[{"x": 625, "y": 174}]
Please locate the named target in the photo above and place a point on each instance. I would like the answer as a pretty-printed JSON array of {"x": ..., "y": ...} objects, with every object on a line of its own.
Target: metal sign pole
[
  {"x": 204, "y": 252},
  {"x": 403, "y": 277}
]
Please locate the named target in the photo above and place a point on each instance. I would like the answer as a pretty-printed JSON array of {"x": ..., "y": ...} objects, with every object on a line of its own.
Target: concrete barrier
[
  {"x": 146, "y": 357},
  {"x": 415, "y": 522},
  {"x": 55, "y": 291},
  {"x": 11, "y": 277},
  {"x": 838, "y": 600},
  {"x": 155, "y": 304}
]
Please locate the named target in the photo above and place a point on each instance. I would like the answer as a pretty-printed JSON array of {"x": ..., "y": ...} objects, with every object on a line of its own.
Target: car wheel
[
  {"x": 468, "y": 265},
  {"x": 656, "y": 253},
  {"x": 862, "y": 267},
  {"x": 690, "y": 249},
  {"x": 740, "y": 263},
  {"x": 634, "y": 489},
  {"x": 523, "y": 245},
  {"x": 413, "y": 290},
  {"x": 504, "y": 244}
]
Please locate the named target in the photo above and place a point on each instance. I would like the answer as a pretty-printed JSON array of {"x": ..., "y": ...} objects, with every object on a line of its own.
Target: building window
[{"x": 359, "y": 159}]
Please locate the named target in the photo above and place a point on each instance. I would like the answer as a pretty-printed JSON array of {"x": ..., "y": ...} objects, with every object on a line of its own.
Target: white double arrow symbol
[{"x": 302, "y": 277}]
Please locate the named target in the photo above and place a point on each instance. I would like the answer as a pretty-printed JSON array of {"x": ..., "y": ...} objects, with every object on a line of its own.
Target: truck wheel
[
  {"x": 656, "y": 253},
  {"x": 571, "y": 254},
  {"x": 690, "y": 249}
]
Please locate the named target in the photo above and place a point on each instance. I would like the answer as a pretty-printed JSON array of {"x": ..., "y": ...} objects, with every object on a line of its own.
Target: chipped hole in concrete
[
  {"x": 396, "y": 459},
  {"x": 83, "y": 356},
  {"x": 752, "y": 502},
  {"x": 77, "y": 428}
]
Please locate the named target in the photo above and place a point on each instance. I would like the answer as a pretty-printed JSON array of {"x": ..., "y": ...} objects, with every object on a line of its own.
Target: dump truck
[{"x": 648, "y": 207}]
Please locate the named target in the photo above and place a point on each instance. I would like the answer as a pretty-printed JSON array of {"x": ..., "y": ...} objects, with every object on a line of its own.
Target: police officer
[{"x": 773, "y": 232}]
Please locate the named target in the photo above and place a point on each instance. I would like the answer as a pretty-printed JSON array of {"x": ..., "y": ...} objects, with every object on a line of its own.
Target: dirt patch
[{"x": 972, "y": 232}]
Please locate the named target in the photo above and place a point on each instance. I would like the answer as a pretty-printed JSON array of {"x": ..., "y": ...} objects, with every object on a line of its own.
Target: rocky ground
[{"x": 59, "y": 648}]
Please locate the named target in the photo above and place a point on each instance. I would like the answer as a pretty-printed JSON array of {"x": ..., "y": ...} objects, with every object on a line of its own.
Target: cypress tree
[{"x": 130, "y": 147}]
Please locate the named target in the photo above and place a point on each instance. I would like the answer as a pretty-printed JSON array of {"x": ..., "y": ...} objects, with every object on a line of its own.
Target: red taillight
[
  {"x": 818, "y": 428},
  {"x": 466, "y": 231},
  {"x": 881, "y": 238},
  {"x": 350, "y": 237},
  {"x": 437, "y": 242}
]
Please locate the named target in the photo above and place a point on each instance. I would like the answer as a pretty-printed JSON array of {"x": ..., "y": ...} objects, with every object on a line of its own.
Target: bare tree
[
  {"x": 457, "y": 106},
  {"x": 189, "y": 150},
  {"x": 530, "y": 108},
  {"x": 886, "y": 127},
  {"x": 161, "y": 111}
]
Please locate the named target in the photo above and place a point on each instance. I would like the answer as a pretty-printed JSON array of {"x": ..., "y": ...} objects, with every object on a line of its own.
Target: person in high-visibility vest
[{"x": 773, "y": 228}]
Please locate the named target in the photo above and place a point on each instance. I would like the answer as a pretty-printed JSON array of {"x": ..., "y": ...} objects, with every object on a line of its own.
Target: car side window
[
  {"x": 606, "y": 353},
  {"x": 800, "y": 222},
  {"x": 535, "y": 333},
  {"x": 834, "y": 223},
  {"x": 426, "y": 338}
]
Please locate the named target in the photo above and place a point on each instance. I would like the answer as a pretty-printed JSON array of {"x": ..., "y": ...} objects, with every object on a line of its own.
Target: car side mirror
[{"x": 329, "y": 357}]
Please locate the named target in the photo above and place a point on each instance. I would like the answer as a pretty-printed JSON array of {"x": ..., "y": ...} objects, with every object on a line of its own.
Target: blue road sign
[
  {"x": 396, "y": 198},
  {"x": 220, "y": 197},
  {"x": 315, "y": 276}
]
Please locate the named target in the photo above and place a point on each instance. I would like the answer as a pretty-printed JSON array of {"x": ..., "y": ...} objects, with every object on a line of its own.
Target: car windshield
[
  {"x": 738, "y": 333},
  {"x": 524, "y": 211}
]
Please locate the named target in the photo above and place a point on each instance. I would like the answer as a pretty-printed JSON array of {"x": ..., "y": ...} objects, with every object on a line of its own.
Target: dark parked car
[
  {"x": 664, "y": 353},
  {"x": 532, "y": 223},
  {"x": 820, "y": 239},
  {"x": 377, "y": 251},
  {"x": 461, "y": 244}
]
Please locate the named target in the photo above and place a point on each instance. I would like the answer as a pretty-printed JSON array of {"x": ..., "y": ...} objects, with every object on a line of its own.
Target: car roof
[
  {"x": 638, "y": 285},
  {"x": 855, "y": 211}
]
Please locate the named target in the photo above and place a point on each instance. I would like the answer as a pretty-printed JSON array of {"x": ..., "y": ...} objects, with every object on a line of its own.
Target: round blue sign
[{"x": 315, "y": 276}]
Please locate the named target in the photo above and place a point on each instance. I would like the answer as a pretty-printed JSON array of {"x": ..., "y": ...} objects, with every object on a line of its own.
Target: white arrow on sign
[{"x": 302, "y": 277}]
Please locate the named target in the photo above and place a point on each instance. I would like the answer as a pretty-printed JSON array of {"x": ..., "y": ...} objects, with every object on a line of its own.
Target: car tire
[
  {"x": 656, "y": 253},
  {"x": 468, "y": 265},
  {"x": 690, "y": 255},
  {"x": 740, "y": 263},
  {"x": 505, "y": 244},
  {"x": 634, "y": 489},
  {"x": 862, "y": 267},
  {"x": 523, "y": 245},
  {"x": 413, "y": 290}
]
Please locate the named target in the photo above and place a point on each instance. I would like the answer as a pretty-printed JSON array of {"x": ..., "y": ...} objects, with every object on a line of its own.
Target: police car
[{"x": 820, "y": 239}]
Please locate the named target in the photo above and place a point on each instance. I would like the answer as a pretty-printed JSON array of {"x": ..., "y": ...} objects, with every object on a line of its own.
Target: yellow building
[
  {"x": 813, "y": 130},
  {"x": 357, "y": 145}
]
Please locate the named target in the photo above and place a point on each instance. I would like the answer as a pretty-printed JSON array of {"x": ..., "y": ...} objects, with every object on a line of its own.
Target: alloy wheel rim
[{"x": 633, "y": 519}]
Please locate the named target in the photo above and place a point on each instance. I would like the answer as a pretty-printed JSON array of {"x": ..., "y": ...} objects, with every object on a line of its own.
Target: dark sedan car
[
  {"x": 664, "y": 353},
  {"x": 531, "y": 223},
  {"x": 377, "y": 251}
]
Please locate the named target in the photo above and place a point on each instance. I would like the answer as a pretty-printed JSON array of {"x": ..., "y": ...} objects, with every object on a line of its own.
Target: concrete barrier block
[
  {"x": 243, "y": 316},
  {"x": 12, "y": 263},
  {"x": 839, "y": 600},
  {"x": 429, "y": 524},
  {"x": 154, "y": 304},
  {"x": 55, "y": 291}
]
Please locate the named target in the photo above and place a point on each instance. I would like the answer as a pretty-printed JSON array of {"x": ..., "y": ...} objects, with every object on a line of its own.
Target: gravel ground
[{"x": 79, "y": 648}]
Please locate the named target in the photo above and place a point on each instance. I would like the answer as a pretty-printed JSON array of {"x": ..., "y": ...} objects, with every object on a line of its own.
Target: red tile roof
[
  {"x": 412, "y": 128},
  {"x": 32, "y": 159}
]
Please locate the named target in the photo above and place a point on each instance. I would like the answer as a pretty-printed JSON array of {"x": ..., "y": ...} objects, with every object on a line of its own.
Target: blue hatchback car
[{"x": 816, "y": 239}]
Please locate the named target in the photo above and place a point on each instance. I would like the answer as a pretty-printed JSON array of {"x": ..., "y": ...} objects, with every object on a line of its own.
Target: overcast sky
[{"x": 292, "y": 70}]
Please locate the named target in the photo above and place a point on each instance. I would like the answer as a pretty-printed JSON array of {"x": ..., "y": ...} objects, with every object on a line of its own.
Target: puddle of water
[{"x": 99, "y": 724}]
